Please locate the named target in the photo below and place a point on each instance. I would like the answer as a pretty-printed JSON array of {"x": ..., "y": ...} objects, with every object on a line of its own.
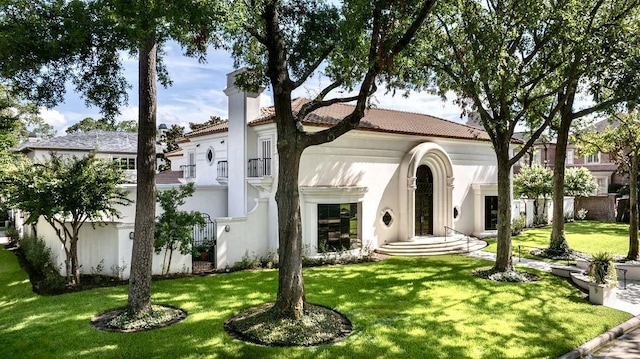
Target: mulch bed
[{"x": 102, "y": 321}]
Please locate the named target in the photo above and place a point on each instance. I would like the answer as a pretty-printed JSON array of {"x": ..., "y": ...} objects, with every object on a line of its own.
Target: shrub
[
  {"x": 518, "y": 224},
  {"x": 38, "y": 256},
  {"x": 13, "y": 234},
  {"x": 602, "y": 270},
  {"x": 581, "y": 214}
]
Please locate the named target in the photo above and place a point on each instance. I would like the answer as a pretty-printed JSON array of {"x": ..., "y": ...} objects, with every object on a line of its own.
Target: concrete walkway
[
  {"x": 621, "y": 342},
  {"x": 3, "y": 238}
]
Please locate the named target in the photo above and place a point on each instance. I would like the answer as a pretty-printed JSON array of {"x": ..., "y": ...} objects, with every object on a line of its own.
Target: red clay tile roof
[
  {"x": 176, "y": 153},
  {"x": 375, "y": 119},
  {"x": 383, "y": 120},
  {"x": 218, "y": 127}
]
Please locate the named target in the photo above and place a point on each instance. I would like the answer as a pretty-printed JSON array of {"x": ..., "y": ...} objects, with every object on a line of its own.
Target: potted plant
[{"x": 602, "y": 274}]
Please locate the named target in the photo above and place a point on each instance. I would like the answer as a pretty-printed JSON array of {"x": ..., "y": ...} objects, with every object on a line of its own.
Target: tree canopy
[
  {"x": 621, "y": 141},
  {"x": 68, "y": 193},
  {"x": 89, "y": 124},
  {"x": 353, "y": 44},
  {"x": 48, "y": 44}
]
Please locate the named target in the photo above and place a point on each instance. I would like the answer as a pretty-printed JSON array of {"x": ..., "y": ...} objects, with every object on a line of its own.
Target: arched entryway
[
  {"x": 424, "y": 201},
  {"x": 425, "y": 193}
]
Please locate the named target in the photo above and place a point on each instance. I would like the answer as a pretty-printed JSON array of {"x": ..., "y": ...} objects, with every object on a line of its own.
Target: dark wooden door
[{"x": 424, "y": 201}]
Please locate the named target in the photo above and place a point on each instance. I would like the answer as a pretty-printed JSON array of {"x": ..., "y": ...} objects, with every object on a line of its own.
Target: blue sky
[{"x": 197, "y": 93}]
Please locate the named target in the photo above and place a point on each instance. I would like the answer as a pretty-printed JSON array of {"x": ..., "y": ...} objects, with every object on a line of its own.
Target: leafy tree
[
  {"x": 534, "y": 182},
  {"x": 17, "y": 119},
  {"x": 502, "y": 60},
  {"x": 67, "y": 194},
  {"x": 285, "y": 42},
  {"x": 621, "y": 140},
  {"x": 169, "y": 139},
  {"x": 597, "y": 41},
  {"x": 213, "y": 120},
  {"x": 89, "y": 124},
  {"x": 578, "y": 181},
  {"x": 47, "y": 44},
  {"x": 174, "y": 228}
]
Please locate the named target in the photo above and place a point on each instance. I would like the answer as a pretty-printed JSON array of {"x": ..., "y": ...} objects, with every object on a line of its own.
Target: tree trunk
[
  {"x": 75, "y": 268},
  {"x": 291, "y": 299},
  {"x": 558, "y": 242},
  {"x": 504, "y": 260},
  {"x": 633, "y": 207},
  {"x": 141, "y": 259}
]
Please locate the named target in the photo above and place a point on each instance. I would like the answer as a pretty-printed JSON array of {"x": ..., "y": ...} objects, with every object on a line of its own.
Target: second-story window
[
  {"x": 210, "y": 155},
  {"x": 592, "y": 158},
  {"x": 265, "y": 154}
]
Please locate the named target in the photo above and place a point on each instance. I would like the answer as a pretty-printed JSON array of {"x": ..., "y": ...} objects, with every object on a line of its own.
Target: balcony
[
  {"x": 259, "y": 167},
  {"x": 188, "y": 171},
  {"x": 222, "y": 172}
]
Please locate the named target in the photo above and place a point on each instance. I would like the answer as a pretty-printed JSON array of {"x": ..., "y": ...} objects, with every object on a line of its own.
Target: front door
[{"x": 424, "y": 201}]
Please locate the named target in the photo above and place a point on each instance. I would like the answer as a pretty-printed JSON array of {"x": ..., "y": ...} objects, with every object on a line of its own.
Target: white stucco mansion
[{"x": 399, "y": 177}]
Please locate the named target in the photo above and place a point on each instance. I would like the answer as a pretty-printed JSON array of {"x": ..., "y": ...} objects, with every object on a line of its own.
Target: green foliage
[
  {"x": 533, "y": 182},
  {"x": 418, "y": 324},
  {"x": 174, "y": 228},
  {"x": 601, "y": 269},
  {"x": 67, "y": 193},
  {"x": 89, "y": 124},
  {"x": 38, "y": 255},
  {"x": 518, "y": 224},
  {"x": 578, "y": 181},
  {"x": 13, "y": 234}
]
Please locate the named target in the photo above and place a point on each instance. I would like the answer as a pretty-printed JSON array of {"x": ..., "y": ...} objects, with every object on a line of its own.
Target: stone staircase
[
  {"x": 576, "y": 273},
  {"x": 431, "y": 246}
]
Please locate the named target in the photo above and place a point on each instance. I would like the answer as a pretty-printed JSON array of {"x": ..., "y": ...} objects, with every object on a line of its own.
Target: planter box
[{"x": 602, "y": 295}]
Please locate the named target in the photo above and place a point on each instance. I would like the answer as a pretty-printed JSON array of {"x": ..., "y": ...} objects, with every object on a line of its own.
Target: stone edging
[{"x": 603, "y": 339}]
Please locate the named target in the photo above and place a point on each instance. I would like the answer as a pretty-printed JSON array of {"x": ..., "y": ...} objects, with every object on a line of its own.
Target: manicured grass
[
  {"x": 400, "y": 308},
  {"x": 583, "y": 236}
]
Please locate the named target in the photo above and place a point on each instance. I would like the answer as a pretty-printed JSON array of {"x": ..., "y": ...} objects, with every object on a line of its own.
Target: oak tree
[{"x": 354, "y": 45}]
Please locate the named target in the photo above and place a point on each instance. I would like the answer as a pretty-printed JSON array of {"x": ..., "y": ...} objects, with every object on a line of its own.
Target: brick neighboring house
[{"x": 602, "y": 204}]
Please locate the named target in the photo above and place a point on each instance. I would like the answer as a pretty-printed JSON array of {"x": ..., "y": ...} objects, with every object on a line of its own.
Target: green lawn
[
  {"x": 400, "y": 308},
  {"x": 583, "y": 236}
]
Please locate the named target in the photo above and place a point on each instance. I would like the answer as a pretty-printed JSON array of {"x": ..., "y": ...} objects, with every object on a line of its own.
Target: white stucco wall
[{"x": 372, "y": 161}]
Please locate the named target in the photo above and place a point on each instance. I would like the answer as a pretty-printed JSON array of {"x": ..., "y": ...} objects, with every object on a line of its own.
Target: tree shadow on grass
[{"x": 400, "y": 308}]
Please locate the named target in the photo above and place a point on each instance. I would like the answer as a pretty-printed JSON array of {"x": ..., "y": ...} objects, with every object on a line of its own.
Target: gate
[{"x": 204, "y": 245}]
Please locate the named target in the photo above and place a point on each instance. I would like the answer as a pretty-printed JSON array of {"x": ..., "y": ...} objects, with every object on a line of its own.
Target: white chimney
[{"x": 243, "y": 107}]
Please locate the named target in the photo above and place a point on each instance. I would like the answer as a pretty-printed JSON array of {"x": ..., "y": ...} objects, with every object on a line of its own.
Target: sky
[{"x": 197, "y": 93}]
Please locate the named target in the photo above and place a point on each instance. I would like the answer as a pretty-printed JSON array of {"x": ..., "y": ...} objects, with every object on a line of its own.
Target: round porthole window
[
  {"x": 387, "y": 218},
  {"x": 210, "y": 155},
  {"x": 456, "y": 213}
]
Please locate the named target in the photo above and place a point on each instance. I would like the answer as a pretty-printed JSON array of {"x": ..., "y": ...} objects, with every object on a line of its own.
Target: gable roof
[
  {"x": 102, "y": 141},
  {"x": 375, "y": 119}
]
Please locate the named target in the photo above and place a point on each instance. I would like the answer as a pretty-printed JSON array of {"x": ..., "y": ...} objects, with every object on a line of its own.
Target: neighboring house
[
  {"x": 600, "y": 205},
  {"x": 399, "y": 177}
]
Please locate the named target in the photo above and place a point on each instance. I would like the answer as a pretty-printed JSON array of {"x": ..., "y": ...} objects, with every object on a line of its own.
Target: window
[
  {"x": 568, "y": 160},
  {"x": 126, "y": 163},
  {"x": 210, "y": 155},
  {"x": 337, "y": 227},
  {"x": 593, "y": 158},
  {"x": 603, "y": 185},
  {"x": 265, "y": 155},
  {"x": 491, "y": 212},
  {"x": 189, "y": 170}
]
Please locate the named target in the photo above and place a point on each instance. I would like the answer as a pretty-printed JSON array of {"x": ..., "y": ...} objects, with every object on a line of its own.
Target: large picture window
[{"x": 337, "y": 227}]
